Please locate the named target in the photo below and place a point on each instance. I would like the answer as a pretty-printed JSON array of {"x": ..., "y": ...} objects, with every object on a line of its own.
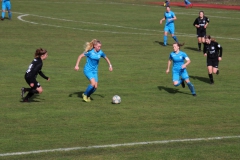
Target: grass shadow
[
  {"x": 193, "y": 49},
  {"x": 203, "y": 79},
  {"x": 79, "y": 94},
  {"x": 160, "y": 43},
  {"x": 171, "y": 90}
]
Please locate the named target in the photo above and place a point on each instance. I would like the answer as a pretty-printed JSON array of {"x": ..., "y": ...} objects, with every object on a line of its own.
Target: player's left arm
[
  {"x": 220, "y": 52},
  {"x": 188, "y": 61},
  {"x": 109, "y": 63},
  {"x": 207, "y": 22}
]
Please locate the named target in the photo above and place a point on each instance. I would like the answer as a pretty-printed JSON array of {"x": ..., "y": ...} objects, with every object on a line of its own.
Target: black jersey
[
  {"x": 201, "y": 22},
  {"x": 34, "y": 69},
  {"x": 213, "y": 50}
]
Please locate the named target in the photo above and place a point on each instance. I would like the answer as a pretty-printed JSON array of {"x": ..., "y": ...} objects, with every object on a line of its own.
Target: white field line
[
  {"x": 105, "y": 31},
  {"x": 117, "y": 145}
]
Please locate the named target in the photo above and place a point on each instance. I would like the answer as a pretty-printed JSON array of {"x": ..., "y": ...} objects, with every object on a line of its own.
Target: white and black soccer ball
[{"x": 116, "y": 99}]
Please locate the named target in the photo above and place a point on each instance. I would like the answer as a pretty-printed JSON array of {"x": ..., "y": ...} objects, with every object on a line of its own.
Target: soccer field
[{"x": 155, "y": 120}]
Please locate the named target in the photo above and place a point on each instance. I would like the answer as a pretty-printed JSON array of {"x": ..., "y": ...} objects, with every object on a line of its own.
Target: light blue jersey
[
  {"x": 93, "y": 59},
  {"x": 91, "y": 66},
  {"x": 169, "y": 15},
  {"x": 178, "y": 61}
]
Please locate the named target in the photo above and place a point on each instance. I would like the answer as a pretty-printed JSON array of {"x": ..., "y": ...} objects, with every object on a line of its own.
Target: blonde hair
[{"x": 90, "y": 45}]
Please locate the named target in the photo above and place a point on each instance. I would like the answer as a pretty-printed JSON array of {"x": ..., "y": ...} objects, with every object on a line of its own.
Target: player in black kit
[
  {"x": 201, "y": 24},
  {"x": 213, "y": 51},
  {"x": 31, "y": 74}
]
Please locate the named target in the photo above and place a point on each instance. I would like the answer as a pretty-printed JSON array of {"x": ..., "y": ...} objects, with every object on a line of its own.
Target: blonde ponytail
[{"x": 90, "y": 45}]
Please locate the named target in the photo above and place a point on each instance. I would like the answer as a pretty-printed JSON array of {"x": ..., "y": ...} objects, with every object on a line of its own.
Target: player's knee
[
  {"x": 40, "y": 90},
  {"x": 175, "y": 83}
]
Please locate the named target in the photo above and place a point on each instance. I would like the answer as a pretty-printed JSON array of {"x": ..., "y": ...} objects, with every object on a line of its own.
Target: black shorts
[
  {"x": 212, "y": 62},
  {"x": 201, "y": 33},
  {"x": 36, "y": 84}
]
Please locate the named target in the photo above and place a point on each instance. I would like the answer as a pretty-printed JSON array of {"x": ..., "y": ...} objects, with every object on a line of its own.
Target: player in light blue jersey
[
  {"x": 93, "y": 53},
  {"x": 170, "y": 17},
  {"x": 188, "y": 3},
  {"x": 6, "y": 4},
  {"x": 179, "y": 68}
]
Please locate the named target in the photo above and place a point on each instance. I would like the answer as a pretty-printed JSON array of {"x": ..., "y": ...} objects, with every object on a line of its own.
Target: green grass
[{"x": 152, "y": 109}]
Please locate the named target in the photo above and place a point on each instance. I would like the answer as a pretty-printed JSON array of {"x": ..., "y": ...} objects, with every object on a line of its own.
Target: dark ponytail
[{"x": 39, "y": 52}]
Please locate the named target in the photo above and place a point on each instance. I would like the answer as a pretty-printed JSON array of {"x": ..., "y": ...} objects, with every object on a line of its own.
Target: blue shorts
[
  {"x": 91, "y": 74},
  {"x": 176, "y": 74},
  {"x": 169, "y": 29},
  {"x": 6, "y": 5}
]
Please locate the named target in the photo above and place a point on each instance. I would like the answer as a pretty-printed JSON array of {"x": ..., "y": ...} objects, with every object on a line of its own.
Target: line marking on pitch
[
  {"x": 105, "y": 31},
  {"x": 118, "y": 145}
]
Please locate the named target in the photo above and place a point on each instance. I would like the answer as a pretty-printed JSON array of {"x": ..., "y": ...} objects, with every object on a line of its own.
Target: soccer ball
[{"x": 116, "y": 99}]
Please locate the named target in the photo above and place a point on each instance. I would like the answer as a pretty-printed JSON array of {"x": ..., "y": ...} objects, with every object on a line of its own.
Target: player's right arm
[
  {"x": 168, "y": 66},
  {"x": 195, "y": 23},
  {"x": 163, "y": 19},
  {"x": 78, "y": 61}
]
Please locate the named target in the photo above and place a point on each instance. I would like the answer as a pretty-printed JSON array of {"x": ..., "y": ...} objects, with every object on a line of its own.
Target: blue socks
[
  {"x": 191, "y": 87},
  {"x": 90, "y": 90},
  {"x": 10, "y": 15},
  {"x": 175, "y": 39},
  {"x": 3, "y": 14},
  {"x": 165, "y": 40}
]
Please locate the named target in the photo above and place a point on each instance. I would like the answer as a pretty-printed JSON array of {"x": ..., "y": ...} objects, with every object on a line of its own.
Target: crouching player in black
[
  {"x": 31, "y": 74},
  {"x": 213, "y": 51}
]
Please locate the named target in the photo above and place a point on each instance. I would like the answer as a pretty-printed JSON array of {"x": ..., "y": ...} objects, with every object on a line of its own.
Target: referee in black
[
  {"x": 31, "y": 74},
  {"x": 213, "y": 51},
  {"x": 201, "y": 24}
]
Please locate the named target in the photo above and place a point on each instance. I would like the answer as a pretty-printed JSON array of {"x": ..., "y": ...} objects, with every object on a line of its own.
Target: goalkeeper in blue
[
  {"x": 93, "y": 53},
  {"x": 179, "y": 68},
  {"x": 6, "y": 4},
  {"x": 169, "y": 17}
]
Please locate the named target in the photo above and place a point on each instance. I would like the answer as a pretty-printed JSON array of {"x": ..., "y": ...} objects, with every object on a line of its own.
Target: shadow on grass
[
  {"x": 171, "y": 90},
  {"x": 160, "y": 43},
  {"x": 203, "y": 79},
  {"x": 34, "y": 98},
  {"x": 193, "y": 49},
  {"x": 79, "y": 94}
]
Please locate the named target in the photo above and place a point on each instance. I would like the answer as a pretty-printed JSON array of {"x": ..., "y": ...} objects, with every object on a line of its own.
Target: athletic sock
[
  {"x": 211, "y": 78},
  {"x": 175, "y": 39},
  {"x": 3, "y": 14},
  {"x": 165, "y": 40},
  {"x": 88, "y": 90},
  {"x": 199, "y": 46},
  {"x": 191, "y": 87},
  {"x": 179, "y": 82},
  {"x": 92, "y": 91},
  {"x": 10, "y": 15}
]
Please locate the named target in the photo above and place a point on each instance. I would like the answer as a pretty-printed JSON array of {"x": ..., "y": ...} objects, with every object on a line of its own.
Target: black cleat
[
  {"x": 217, "y": 72},
  {"x": 211, "y": 82},
  {"x": 194, "y": 95},
  {"x": 22, "y": 91},
  {"x": 25, "y": 100},
  {"x": 183, "y": 84},
  {"x": 2, "y": 19}
]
